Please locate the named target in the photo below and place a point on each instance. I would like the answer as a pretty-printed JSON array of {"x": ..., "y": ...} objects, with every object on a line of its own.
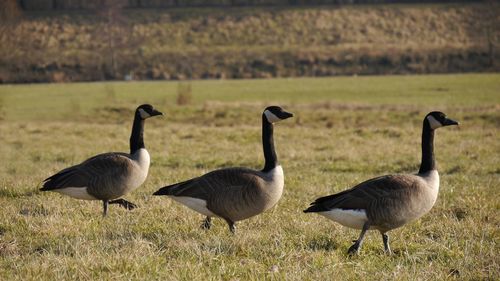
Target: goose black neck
[
  {"x": 268, "y": 145},
  {"x": 136, "y": 138},
  {"x": 428, "y": 161}
]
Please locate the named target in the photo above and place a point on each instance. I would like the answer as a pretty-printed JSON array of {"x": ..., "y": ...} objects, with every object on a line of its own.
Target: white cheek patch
[
  {"x": 271, "y": 117},
  {"x": 143, "y": 113},
  {"x": 433, "y": 122}
]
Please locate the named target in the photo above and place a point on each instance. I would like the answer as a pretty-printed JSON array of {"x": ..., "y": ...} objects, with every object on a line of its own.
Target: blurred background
[{"x": 78, "y": 40}]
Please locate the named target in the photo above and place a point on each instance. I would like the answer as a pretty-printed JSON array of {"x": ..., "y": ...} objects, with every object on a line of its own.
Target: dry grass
[
  {"x": 333, "y": 142},
  {"x": 251, "y": 42},
  {"x": 184, "y": 93}
]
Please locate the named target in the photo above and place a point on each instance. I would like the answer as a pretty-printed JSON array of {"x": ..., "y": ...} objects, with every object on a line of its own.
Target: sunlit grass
[{"x": 345, "y": 130}]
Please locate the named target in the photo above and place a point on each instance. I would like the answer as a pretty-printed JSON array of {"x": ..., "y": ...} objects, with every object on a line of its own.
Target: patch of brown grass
[{"x": 253, "y": 43}]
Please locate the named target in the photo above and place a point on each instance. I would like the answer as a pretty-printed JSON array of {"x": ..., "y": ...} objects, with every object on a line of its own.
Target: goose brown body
[
  {"x": 108, "y": 176},
  {"x": 105, "y": 176},
  {"x": 234, "y": 193},
  {"x": 388, "y": 202}
]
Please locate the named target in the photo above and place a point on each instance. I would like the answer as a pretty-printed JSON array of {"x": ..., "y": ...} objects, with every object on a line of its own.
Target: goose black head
[
  {"x": 146, "y": 110},
  {"x": 437, "y": 119},
  {"x": 275, "y": 114}
]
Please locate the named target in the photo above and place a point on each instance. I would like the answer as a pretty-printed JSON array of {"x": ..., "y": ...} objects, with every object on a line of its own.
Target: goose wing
[
  {"x": 223, "y": 181},
  {"x": 366, "y": 193},
  {"x": 94, "y": 171}
]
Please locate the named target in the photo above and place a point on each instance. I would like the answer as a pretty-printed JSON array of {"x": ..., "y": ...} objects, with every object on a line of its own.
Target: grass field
[{"x": 345, "y": 130}]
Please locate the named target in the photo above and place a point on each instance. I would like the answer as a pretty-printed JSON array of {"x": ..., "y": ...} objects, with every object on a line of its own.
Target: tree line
[{"x": 35, "y": 5}]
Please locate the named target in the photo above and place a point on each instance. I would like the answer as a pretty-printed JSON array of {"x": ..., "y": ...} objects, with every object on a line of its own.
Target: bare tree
[
  {"x": 119, "y": 37},
  {"x": 111, "y": 13},
  {"x": 491, "y": 15},
  {"x": 10, "y": 15}
]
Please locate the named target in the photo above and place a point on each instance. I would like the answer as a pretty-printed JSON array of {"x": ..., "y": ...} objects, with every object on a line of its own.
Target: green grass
[
  {"x": 61, "y": 100},
  {"x": 345, "y": 130}
]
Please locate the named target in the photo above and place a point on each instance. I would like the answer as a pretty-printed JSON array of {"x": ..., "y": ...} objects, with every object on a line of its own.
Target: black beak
[
  {"x": 156, "y": 112},
  {"x": 286, "y": 115},
  {"x": 449, "y": 122}
]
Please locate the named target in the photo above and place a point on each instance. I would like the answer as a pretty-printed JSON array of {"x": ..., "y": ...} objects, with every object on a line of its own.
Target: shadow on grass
[
  {"x": 34, "y": 211},
  {"x": 11, "y": 193},
  {"x": 322, "y": 243}
]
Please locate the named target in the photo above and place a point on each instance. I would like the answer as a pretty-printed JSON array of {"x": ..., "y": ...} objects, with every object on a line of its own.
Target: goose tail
[
  {"x": 163, "y": 191},
  {"x": 58, "y": 180},
  {"x": 315, "y": 209}
]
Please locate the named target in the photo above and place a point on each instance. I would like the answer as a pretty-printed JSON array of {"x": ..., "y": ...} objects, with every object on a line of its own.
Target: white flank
[
  {"x": 199, "y": 205},
  {"x": 271, "y": 117},
  {"x": 433, "y": 122},
  {"x": 350, "y": 218},
  {"x": 76, "y": 192},
  {"x": 144, "y": 114}
]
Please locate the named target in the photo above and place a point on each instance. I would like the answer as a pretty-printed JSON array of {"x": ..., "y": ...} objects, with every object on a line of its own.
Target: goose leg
[
  {"x": 105, "y": 207},
  {"x": 385, "y": 238},
  {"x": 124, "y": 203},
  {"x": 354, "y": 249},
  {"x": 207, "y": 223},
  {"x": 231, "y": 225}
]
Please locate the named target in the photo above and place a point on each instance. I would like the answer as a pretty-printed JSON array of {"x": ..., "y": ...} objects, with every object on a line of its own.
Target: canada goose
[
  {"x": 388, "y": 202},
  {"x": 236, "y": 194},
  {"x": 110, "y": 175}
]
